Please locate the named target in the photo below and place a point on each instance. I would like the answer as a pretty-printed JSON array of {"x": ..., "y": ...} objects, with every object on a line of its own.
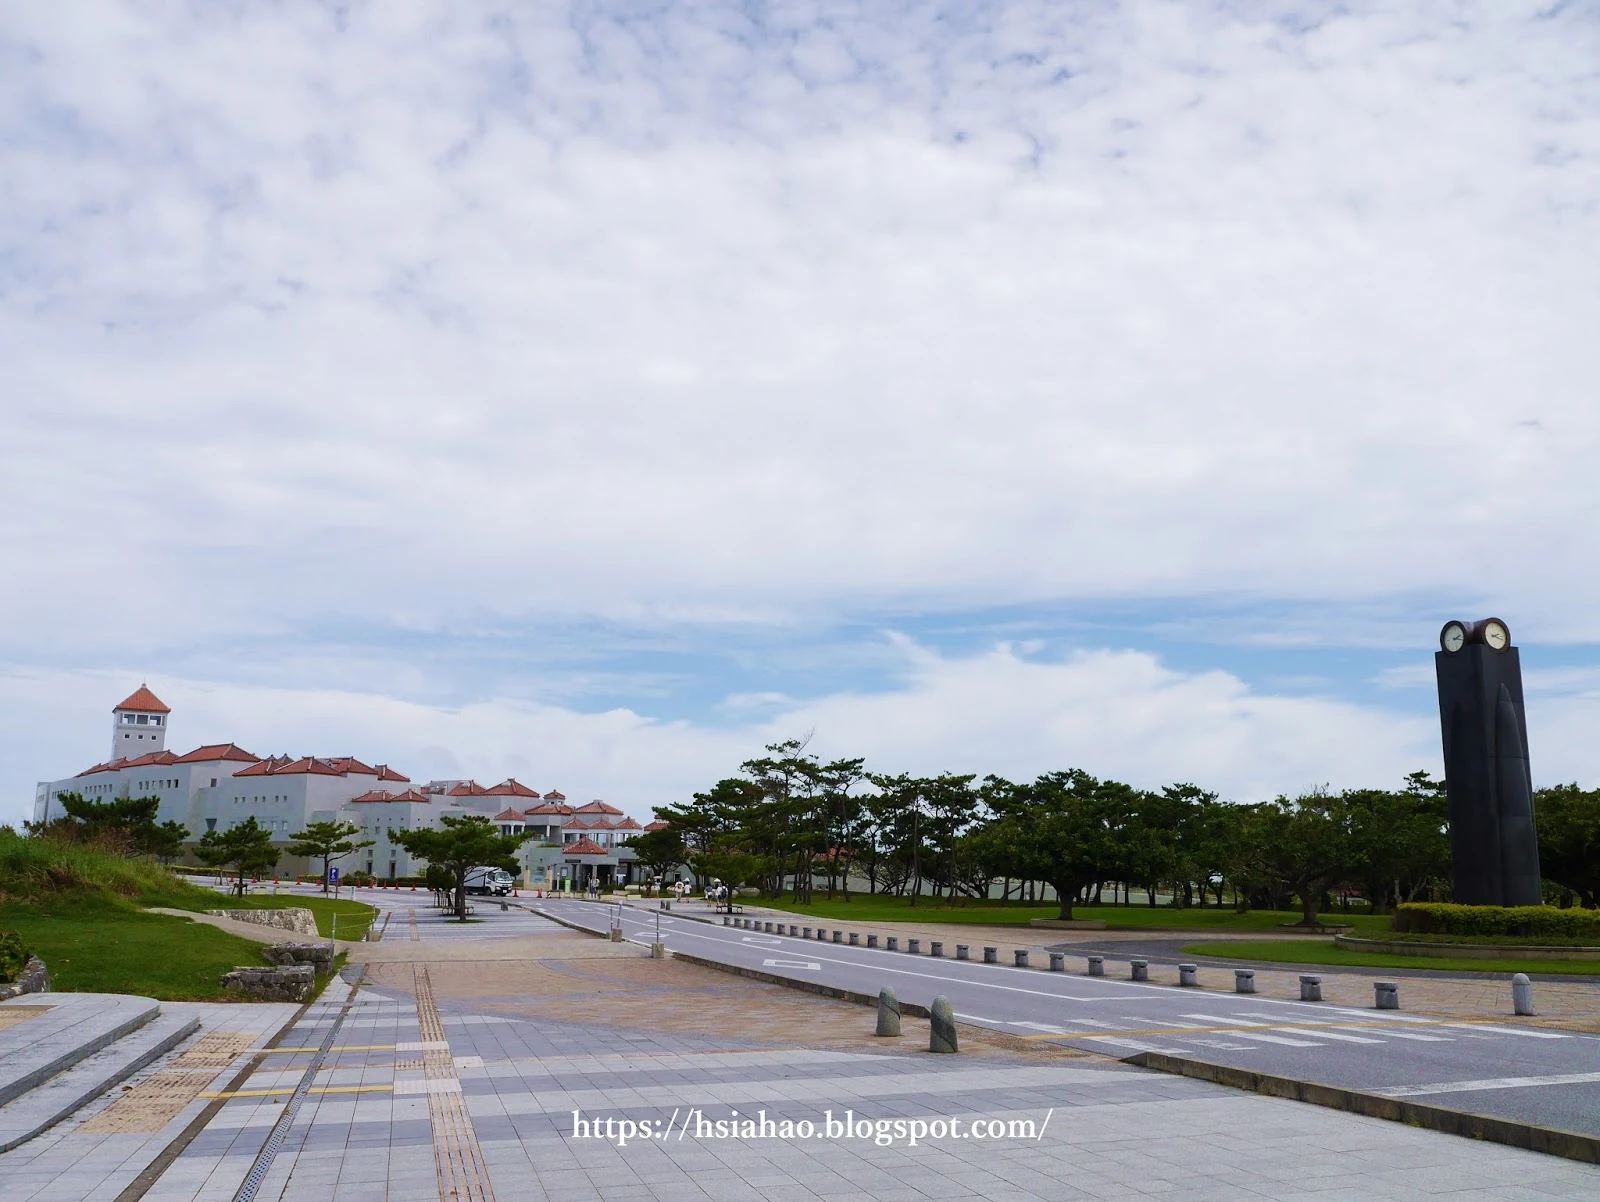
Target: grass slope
[
  {"x": 876, "y": 908},
  {"x": 1313, "y": 952},
  {"x": 354, "y": 917}
]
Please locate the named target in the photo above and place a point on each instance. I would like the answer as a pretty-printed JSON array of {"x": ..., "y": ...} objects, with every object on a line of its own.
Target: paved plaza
[{"x": 514, "y": 1059}]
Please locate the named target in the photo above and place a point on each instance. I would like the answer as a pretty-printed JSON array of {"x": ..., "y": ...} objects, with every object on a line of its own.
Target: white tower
[{"x": 139, "y": 725}]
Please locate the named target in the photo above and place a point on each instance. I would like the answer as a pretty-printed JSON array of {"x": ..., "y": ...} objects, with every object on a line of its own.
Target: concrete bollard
[
  {"x": 838, "y": 936},
  {"x": 807, "y": 932},
  {"x": 726, "y": 921},
  {"x": 1522, "y": 995},
  {"x": 793, "y": 930},
  {"x": 1186, "y": 975},
  {"x": 1097, "y": 966},
  {"x": 658, "y": 951},
  {"x": 855, "y": 939},
  {"x": 1310, "y": 989},
  {"x": 914, "y": 946},
  {"x": 935, "y": 948},
  {"x": 1244, "y": 980},
  {"x": 942, "y": 1027},
  {"x": 766, "y": 928},
  {"x": 1139, "y": 970},
  {"x": 1020, "y": 958},
  {"x": 505, "y": 906},
  {"x": 990, "y": 955},
  {"x": 1058, "y": 962},
  {"x": 893, "y": 943},
  {"x": 1386, "y": 995},
  {"x": 888, "y": 1013},
  {"x": 872, "y": 941},
  {"x": 963, "y": 952}
]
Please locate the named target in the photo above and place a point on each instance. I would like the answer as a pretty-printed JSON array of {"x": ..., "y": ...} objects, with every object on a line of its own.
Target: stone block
[
  {"x": 1139, "y": 970},
  {"x": 1186, "y": 975},
  {"x": 318, "y": 955},
  {"x": 914, "y": 946},
  {"x": 942, "y": 1026},
  {"x": 1244, "y": 980},
  {"x": 281, "y": 983},
  {"x": 1058, "y": 962},
  {"x": 1097, "y": 966},
  {"x": 935, "y": 948},
  {"x": 991, "y": 955},
  {"x": 1310, "y": 989},
  {"x": 888, "y": 1013},
  {"x": 963, "y": 952},
  {"x": 1020, "y": 957}
]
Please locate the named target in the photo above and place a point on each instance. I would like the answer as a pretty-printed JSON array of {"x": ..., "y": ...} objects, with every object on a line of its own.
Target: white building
[{"x": 219, "y": 785}]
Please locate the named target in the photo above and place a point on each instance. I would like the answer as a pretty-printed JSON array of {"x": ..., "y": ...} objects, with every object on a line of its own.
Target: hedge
[
  {"x": 1439, "y": 918},
  {"x": 13, "y": 956}
]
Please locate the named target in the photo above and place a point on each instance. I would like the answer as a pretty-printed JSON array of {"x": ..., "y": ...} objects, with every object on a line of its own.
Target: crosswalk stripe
[{"x": 1508, "y": 1031}]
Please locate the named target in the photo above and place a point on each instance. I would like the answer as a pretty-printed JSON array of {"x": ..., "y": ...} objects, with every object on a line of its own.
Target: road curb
[
  {"x": 1572, "y": 1145},
  {"x": 910, "y": 1009}
]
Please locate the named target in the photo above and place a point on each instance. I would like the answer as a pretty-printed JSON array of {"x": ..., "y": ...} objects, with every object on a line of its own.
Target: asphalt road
[{"x": 1546, "y": 1077}]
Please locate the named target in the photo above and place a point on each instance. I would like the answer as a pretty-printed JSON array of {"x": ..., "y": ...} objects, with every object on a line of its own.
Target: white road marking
[
  {"x": 764, "y": 940},
  {"x": 1135, "y": 1044},
  {"x": 1288, "y": 1043},
  {"x": 1215, "y": 1020},
  {"x": 1416, "y": 1036},
  {"x": 1045, "y": 1027},
  {"x": 1165, "y": 1022},
  {"x": 808, "y": 965},
  {"x": 1506, "y": 1031},
  {"x": 1324, "y": 1033},
  {"x": 1413, "y": 1091}
]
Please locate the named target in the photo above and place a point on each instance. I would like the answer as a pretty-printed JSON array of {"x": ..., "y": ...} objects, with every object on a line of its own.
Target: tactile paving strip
[
  {"x": 150, "y": 1105},
  {"x": 463, "y": 1174},
  {"x": 216, "y": 1050},
  {"x": 11, "y": 1016}
]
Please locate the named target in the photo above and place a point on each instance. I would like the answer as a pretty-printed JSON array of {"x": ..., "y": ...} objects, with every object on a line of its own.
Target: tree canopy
[{"x": 460, "y": 844}]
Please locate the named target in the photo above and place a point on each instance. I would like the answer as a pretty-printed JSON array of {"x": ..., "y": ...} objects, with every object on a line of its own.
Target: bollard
[
  {"x": 822, "y": 935},
  {"x": 935, "y": 948},
  {"x": 888, "y": 1013},
  {"x": 872, "y": 941},
  {"x": 837, "y": 936},
  {"x": 914, "y": 946},
  {"x": 1139, "y": 970},
  {"x": 658, "y": 951},
  {"x": 1310, "y": 989},
  {"x": 1186, "y": 975},
  {"x": 893, "y": 943},
  {"x": 1020, "y": 957},
  {"x": 855, "y": 940},
  {"x": 1058, "y": 962},
  {"x": 963, "y": 952},
  {"x": 991, "y": 955},
  {"x": 1386, "y": 995},
  {"x": 766, "y": 928},
  {"x": 1522, "y": 995},
  {"x": 807, "y": 932},
  {"x": 1244, "y": 980},
  {"x": 726, "y": 921},
  {"x": 942, "y": 1028},
  {"x": 1097, "y": 966}
]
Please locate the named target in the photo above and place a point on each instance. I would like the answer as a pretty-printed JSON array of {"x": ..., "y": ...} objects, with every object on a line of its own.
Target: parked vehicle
[{"x": 488, "y": 880}]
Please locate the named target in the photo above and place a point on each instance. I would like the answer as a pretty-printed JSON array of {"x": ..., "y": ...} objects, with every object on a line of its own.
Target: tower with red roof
[{"x": 138, "y": 725}]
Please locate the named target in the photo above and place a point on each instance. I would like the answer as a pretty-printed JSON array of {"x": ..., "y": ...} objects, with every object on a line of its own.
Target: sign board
[{"x": 333, "y": 876}]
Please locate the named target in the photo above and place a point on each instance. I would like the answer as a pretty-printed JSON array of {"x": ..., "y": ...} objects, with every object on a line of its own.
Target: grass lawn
[
  {"x": 875, "y": 908},
  {"x": 354, "y": 917},
  {"x": 103, "y": 945},
  {"x": 1323, "y": 951}
]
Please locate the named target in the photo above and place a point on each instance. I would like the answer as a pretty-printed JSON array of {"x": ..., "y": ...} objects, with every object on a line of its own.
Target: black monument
[{"x": 1494, "y": 848}]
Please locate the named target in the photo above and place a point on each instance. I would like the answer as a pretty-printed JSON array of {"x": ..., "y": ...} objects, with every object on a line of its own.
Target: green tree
[
  {"x": 166, "y": 841},
  {"x": 1308, "y": 844},
  {"x": 1053, "y": 830},
  {"x": 461, "y": 844},
  {"x": 1402, "y": 839},
  {"x": 246, "y": 847},
  {"x": 1569, "y": 839},
  {"x": 660, "y": 851},
  {"x": 328, "y": 841}
]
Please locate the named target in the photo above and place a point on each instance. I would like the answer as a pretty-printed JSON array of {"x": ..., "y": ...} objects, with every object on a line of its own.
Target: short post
[
  {"x": 1058, "y": 962},
  {"x": 888, "y": 1013},
  {"x": 872, "y": 941},
  {"x": 855, "y": 939},
  {"x": 1186, "y": 975},
  {"x": 1244, "y": 980},
  {"x": 806, "y": 932},
  {"x": 963, "y": 952},
  {"x": 914, "y": 946},
  {"x": 837, "y": 936},
  {"x": 1522, "y": 994},
  {"x": 1139, "y": 970},
  {"x": 726, "y": 921},
  {"x": 1310, "y": 989},
  {"x": 1386, "y": 995},
  {"x": 935, "y": 948},
  {"x": 942, "y": 1027},
  {"x": 766, "y": 928},
  {"x": 1020, "y": 957},
  {"x": 658, "y": 951},
  {"x": 1097, "y": 966},
  {"x": 892, "y": 943}
]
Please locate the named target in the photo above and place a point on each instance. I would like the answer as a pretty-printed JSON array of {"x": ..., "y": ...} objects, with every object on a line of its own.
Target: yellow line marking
[{"x": 267, "y": 1093}]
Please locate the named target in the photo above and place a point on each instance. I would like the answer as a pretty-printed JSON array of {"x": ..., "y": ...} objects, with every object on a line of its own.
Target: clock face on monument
[
  {"x": 1453, "y": 637},
  {"x": 1496, "y": 635}
]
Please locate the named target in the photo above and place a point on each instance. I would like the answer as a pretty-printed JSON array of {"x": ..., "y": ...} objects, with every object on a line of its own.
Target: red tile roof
[
  {"x": 508, "y": 815},
  {"x": 584, "y": 847},
  {"x": 387, "y": 773},
  {"x": 467, "y": 788},
  {"x": 306, "y": 765},
  {"x": 555, "y": 795},
  {"x": 657, "y": 825},
  {"x": 213, "y": 752},
  {"x": 143, "y": 701},
  {"x": 413, "y": 795},
  {"x": 629, "y": 824},
  {"x": 374, "y": 795},
  {"x": 549, "y": 807},
  {"x": 349, "y": 763},
  {"x": 598, "y": 807},
  {"x": 511, "y": 787},
  {"x": 138, "y": 761}
]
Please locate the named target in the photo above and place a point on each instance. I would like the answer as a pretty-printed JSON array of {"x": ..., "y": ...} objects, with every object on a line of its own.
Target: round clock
[
  {"x": 1453, "y": 637},
  {"x": 1496, "y": 635}
]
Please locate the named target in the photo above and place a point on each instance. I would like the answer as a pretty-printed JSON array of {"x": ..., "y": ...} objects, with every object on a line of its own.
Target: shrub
[
  {"x": 1439, "y": 918},
  {"x": 13, "y": 956},
  {"x": 36, "y": 868}
]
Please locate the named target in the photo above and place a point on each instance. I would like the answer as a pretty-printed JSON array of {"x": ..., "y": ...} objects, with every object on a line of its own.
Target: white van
[{"x": 485, "y": 879}]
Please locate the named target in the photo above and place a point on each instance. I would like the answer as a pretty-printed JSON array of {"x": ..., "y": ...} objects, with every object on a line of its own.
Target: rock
[
  {"x": 942, "y": 1028},
  {"x": 888, "y": 1013},
  {"x": 318, "y": 955},
  {"x": 300, "y": 921},
  {"x": 284, "y": 983},
  {"x": 34, "y": 978}
]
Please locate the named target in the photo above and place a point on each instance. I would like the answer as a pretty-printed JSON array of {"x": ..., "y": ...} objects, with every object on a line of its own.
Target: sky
[{"x": 596, "y": 393}]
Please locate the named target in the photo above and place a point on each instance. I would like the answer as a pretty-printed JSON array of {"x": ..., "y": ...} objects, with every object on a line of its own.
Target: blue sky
[{"x": 598, "y": 392}]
